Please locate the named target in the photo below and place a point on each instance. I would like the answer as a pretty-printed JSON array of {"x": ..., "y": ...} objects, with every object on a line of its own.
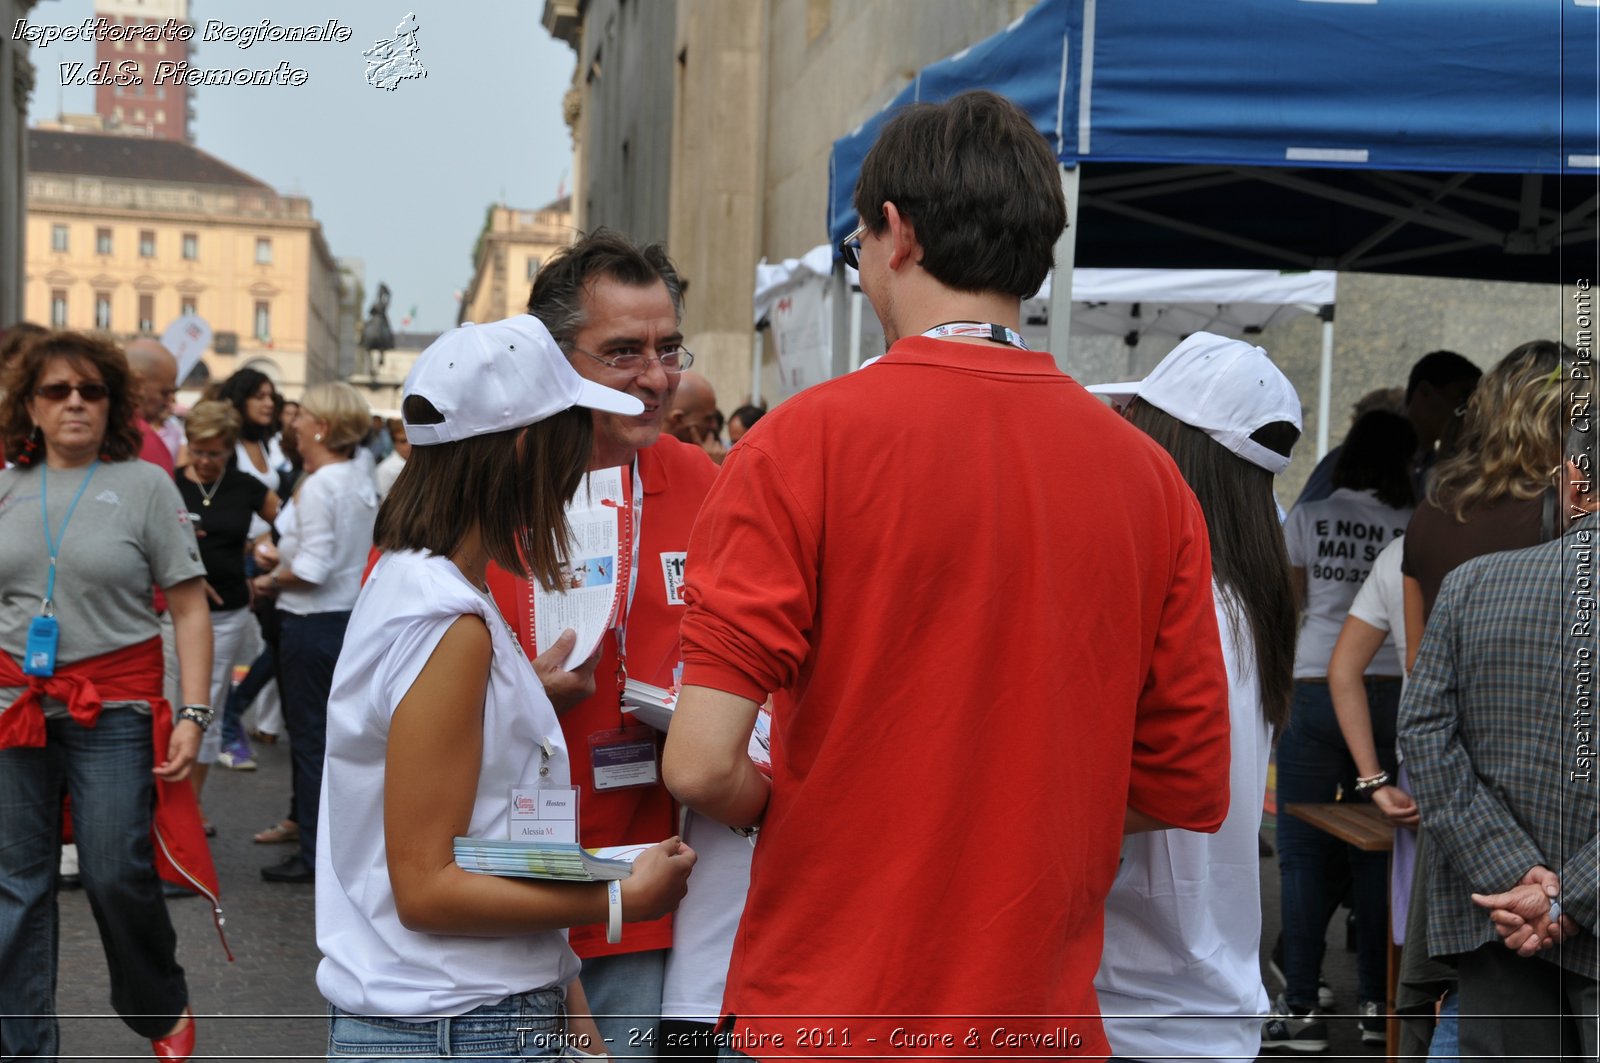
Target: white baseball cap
[
  {"x": 1226, "y": 388},
  {"x": 506, "y": 374}
]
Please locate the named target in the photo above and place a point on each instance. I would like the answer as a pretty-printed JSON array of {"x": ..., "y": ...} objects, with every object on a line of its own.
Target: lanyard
[
  {"x": 998, "y": 333},
  {"x": 53, "y": 545},
  {"x": 636, "y": 522}
]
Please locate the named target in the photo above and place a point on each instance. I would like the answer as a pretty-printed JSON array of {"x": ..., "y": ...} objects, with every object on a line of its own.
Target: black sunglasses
[
  {"x": 850, "y": 247},
  {"x": 59, "y": 392}
]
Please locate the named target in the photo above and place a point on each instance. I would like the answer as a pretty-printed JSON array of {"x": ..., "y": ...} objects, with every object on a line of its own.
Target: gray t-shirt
[{"x": 130, "y": 531}]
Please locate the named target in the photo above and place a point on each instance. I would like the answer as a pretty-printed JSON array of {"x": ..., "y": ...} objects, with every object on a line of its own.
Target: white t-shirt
[
  {"x": 1337, "y": 540},
  {"x": 1180, "y": 974},
  {"x": 272, "y": 476},
  {"x": 372, "y": 965},
  {"x": 388, "y": 472},
  {"x": 1381, "y": 601},
  {"x": 326, "y": 536},
  {"x": 704, "y": 925}
]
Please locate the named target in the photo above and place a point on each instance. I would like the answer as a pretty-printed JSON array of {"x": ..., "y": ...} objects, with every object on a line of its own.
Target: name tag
[
  {"x": 544, "y": 814},
  {"x": 672, "y": 576},
  {"x": 623, "y": 758}
]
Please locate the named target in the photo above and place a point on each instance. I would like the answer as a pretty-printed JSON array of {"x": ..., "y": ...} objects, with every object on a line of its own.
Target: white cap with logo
[
  {"x": 506, "y": 374},
  {"x": 1226, "y": 388}
]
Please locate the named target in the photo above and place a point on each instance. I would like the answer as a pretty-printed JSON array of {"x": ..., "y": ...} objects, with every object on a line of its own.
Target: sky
[{"x": 400, "y": 179}]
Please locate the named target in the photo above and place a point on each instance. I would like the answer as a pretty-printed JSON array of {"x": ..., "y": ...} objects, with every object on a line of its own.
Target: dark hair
[
  {"x": 17, "y": 336},
  {"x": 238, "y": 389},
  {"x": 1376, "y": 457},
  {"x": 1248, "y": 557},
  {"x": 513, "y": 485},
  {"x": 748, "y": 415},
  {"x": 122, "y": 440},
  {"x": 1441, "y": 369},
  {"x": 980, "y": 187},
  {"x": 560, "y": 292}
]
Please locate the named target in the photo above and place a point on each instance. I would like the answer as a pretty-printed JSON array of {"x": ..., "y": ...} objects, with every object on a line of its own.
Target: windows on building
[
  {"x": 147, "y": 312},
  {"x": 147, "y": 243},
  {"x": 58, "y": 238},
  {"x": 533, "y": 267},
  {"x": 102, "y": 241},
  {"x": 191, "y": 246},
  {"x": 102, "y": 310},
  {"x": 58, "y": 308},
  {"x": 187, "y": 305},
  {"x": 263, "y": 330},
  {"x": 264, "y": 250}
]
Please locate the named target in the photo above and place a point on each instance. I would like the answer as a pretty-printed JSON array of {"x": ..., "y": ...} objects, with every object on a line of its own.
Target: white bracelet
[{"x": 613, "y": 911}]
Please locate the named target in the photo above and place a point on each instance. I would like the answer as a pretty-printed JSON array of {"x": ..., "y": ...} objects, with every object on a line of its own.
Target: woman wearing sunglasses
[{"x": 86, "y": 530}]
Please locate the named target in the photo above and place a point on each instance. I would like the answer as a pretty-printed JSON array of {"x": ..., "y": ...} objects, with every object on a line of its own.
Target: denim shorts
[{"x": 525, "y": 1026}]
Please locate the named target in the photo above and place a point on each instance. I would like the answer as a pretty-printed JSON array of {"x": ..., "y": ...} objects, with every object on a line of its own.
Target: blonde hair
[
  {"x": 345, "y": 412},
  {"x": 212, "y": 420},
  {"x": 1511, "y": 439}
]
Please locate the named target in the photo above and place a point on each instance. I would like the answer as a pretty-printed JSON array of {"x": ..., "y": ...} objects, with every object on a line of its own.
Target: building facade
[
  {"x": 511, "y": 248},
  {"x": 146, "y": 108},
  {"x": 16, "y": 85},
  {"x": 126, "y": 234}
]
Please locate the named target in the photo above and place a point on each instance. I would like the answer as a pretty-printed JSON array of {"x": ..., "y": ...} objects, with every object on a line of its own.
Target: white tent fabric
[{"x": 1174, "y": 302}]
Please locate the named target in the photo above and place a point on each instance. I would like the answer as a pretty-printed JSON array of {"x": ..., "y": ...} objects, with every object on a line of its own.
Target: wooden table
[{"x": 1364, "y": 826}]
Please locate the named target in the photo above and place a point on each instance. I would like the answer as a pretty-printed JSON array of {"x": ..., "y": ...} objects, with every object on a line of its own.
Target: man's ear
[{"x": 903, "y": 245}]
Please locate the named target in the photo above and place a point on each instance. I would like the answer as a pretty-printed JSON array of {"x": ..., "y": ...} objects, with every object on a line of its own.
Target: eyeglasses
[
  {"x": 59, "y": 392},
  {"x": 850, "y": 247},
  {"x": 673, "y": 358}
]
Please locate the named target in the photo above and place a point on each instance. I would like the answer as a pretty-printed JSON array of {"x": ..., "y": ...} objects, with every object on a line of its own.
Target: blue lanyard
[{"x": 51, "y": 543}]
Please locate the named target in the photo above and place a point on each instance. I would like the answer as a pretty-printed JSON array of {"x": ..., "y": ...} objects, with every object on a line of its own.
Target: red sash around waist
[{"x": 134, "y": 673}]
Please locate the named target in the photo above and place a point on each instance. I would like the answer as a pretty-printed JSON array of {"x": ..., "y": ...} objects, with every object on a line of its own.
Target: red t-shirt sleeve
[
  {"x": 751, "y": 580},
  {"x": 1180, "y": 738}
]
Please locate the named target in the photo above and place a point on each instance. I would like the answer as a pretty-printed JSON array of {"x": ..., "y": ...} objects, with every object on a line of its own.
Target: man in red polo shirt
[
  {"x": 615, "y": 309},
  {"x": 982, "y": 603}
]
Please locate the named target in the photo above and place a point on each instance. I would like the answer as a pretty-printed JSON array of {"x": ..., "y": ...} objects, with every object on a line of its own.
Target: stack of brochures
[
  {"x": 554, "y": 860},
  {"x": 655, "y": 705}
]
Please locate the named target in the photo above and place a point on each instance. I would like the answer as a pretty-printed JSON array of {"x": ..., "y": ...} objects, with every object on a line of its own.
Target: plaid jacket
[{"x": 1498, "y": 731}]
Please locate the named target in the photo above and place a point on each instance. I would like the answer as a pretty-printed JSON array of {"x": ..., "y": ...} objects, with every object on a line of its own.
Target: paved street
[
  {"x": 266, "y": 1005},
  {"x": 263, "y": 1006}
]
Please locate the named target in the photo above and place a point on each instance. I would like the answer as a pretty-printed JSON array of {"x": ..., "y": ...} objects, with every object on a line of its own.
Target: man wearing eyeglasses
[
  {"x": 615, "y": 308},
  {"x": 981, "y": 602}
]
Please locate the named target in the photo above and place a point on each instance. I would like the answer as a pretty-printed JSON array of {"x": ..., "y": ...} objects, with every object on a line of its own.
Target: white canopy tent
[{"x": 1170, "y": 303}]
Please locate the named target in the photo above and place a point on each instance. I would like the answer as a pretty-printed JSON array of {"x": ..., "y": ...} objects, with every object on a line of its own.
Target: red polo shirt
[{"x": 984, "y": 603}]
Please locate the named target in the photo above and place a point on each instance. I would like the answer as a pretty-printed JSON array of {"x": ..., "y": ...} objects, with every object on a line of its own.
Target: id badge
[
  {"x": 544, "y": 814},
  {"x": 624, "y": 758},
  {"x": 40, "y": 656}
]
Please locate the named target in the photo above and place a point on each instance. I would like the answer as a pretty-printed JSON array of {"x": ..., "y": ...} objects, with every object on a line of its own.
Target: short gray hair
[{"x": 559, "y": 292}]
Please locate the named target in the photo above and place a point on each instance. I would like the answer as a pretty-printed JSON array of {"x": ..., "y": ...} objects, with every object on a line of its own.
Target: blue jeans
[
  {"x": 625, "y": 999},
  {"x": 1313, "y": 764},
  {"x": 107, "y": 771},
  {"x": 1446, "y": 1044},
  {"x": 308, "y": 648},
  {"x": 525, "y": 1026}
]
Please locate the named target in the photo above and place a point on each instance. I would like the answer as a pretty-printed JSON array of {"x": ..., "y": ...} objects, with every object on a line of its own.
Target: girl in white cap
[
  {"x": 436, "y": 714},
  {"x": 1180, "y": 975}
]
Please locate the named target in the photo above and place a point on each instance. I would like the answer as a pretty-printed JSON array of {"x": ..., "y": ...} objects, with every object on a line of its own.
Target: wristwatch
[{"x": 197, "y": 714}]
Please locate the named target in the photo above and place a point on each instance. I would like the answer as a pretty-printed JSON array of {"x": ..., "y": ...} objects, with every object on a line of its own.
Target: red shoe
[{"x": 176, "y": 1047}]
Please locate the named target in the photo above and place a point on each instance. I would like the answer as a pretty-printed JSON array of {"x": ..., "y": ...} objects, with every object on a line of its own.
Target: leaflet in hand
[
  {"x": 655, "y": 705},
  {"x": 600, "y": 555},
  {"x": 553, "y": 860}
]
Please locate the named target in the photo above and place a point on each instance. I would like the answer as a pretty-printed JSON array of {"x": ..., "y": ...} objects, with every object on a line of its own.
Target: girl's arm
[
  {"x": 430, "y": 783},
  {"x": 1358, "y": 643},
  {"x": 1414, "y": 620}
]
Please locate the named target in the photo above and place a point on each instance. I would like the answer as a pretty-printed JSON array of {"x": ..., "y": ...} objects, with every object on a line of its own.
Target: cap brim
[
  {"x": 1121, "y": 394},
  {"x": 607, "y": 400}
]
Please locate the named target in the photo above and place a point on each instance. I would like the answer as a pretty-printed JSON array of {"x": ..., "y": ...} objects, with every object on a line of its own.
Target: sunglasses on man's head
[{"x": 58, "y": 392}]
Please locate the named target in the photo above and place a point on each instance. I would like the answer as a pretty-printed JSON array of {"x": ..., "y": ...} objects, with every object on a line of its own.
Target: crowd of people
[{"x": 1024, "y": 680}]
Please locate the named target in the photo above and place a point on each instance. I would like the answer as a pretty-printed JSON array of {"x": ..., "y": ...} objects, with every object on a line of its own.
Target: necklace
[{"x": 207, "y": 496}]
